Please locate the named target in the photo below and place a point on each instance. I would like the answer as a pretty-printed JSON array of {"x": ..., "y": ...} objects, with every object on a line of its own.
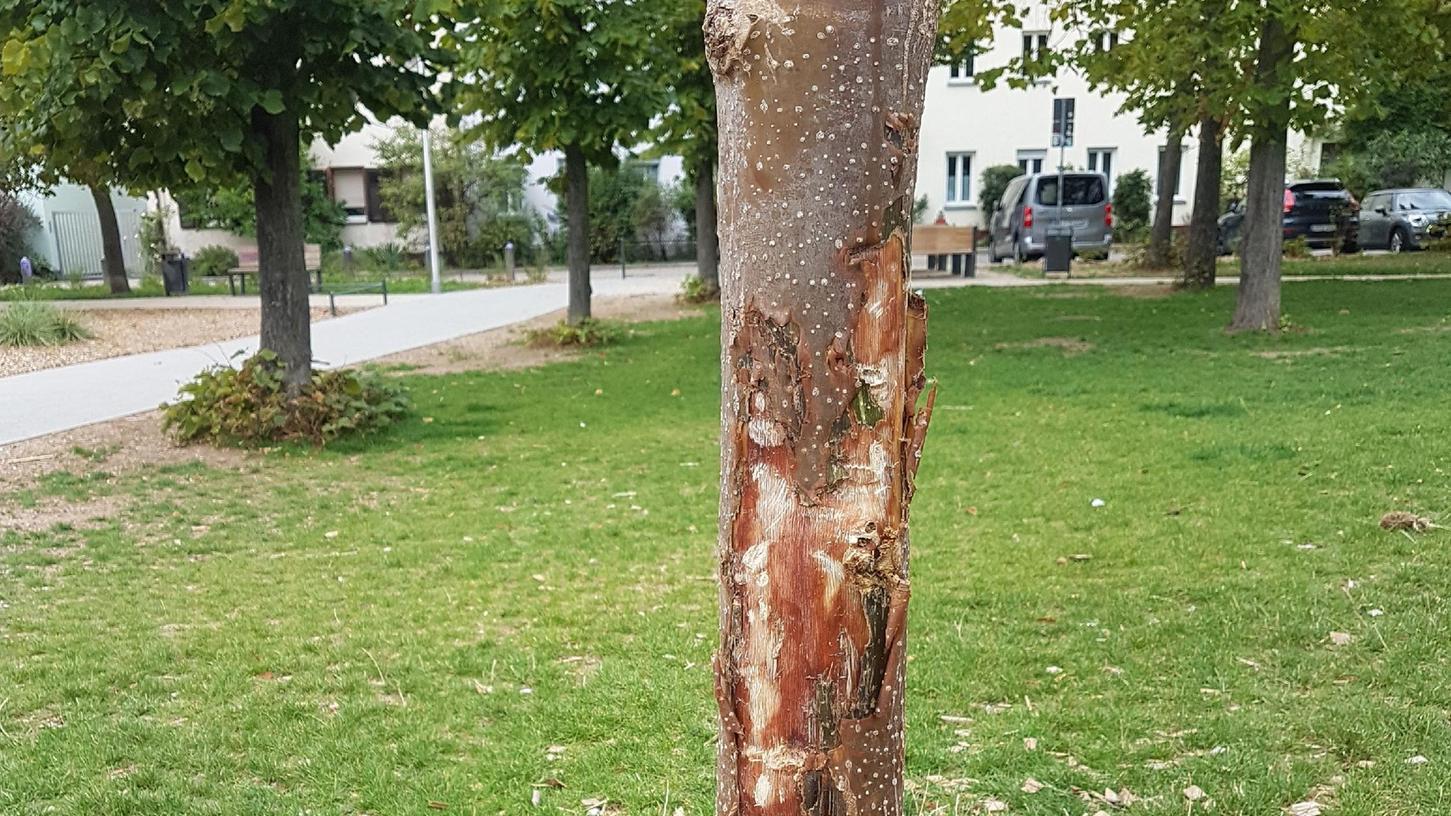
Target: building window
[
  {"x": 1100, "y": 160},
  {"x": 962, "y": 71},
  {"x": 1180, "y": 175},
  {"x": 1035, "y": 45},
  {"x": 1105, "y": 41},
  {"x": 959, "y": 178},
  {"x": 1031, "y": 161}
]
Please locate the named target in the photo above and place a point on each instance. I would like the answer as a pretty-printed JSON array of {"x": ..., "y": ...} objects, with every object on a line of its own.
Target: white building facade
[{"x": 966, "y": 128}]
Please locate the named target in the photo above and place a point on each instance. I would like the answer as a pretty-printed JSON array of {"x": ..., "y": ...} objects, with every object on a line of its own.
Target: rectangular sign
[{"x": 1063, "y": 122}]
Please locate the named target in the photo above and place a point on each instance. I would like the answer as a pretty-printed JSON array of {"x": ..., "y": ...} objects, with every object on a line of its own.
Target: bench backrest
[
  {"x": 941, "y": 239},
  {"x": 247, "y": 258}
]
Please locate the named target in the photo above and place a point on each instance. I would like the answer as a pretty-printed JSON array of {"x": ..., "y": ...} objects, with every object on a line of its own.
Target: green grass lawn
[
  {"x": 1404, "y": 264},
  {"x": 514, "y": 588}
]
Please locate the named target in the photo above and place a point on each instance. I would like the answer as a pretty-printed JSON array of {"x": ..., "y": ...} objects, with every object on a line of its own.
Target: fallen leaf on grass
[
  {"x": 1031, "y": 785},
  {"x": 1304, "y": 809},
  {"x": 991, "y": 805},
  {"x": 1341, "y": 638},
  {"x": 1417, "y": 760},
  {"x": 1194, "y": 793},
  {"x": 1397, "y": 520}
]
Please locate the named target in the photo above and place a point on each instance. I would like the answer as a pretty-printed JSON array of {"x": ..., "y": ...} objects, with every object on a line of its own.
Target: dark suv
[{"x": 1321, "y": 211}]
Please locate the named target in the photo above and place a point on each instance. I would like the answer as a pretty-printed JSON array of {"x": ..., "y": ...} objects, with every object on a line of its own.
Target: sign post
[{"x": 1058, "y": 256}]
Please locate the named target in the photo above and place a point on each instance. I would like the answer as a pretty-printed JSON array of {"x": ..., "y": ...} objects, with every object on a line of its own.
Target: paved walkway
[{"x": 57, "y": 399}]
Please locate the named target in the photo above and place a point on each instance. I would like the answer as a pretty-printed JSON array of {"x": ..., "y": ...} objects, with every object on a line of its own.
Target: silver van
[{"x": 1029, "y": 211}]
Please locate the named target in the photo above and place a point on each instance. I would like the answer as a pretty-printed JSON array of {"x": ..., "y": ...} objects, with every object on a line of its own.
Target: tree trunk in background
[
  {"x": 1161, "y": 235},
  {"x": 822, "y": 368},
  {"x": 113, "y": 258},
  {"x": 1258, "y": 307},
  {"x": 576, "y": 183},
  {"x": 1203, "y": 251},
  {"x": 282, "y": 275},
  {"x": 707, "y": 246}
]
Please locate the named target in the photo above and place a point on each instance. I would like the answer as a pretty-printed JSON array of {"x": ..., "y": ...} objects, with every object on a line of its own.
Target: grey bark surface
[
  {"x": 113, "y": 259},
  {"x": 1161, "y": 235},
  {"x": 822, "y": 370},
  {"x": 1258, "y": 304},
  {"x": 1202, "y": 254},
  {"x": 282, "y": 276},
  {"x": 576, "y": 183},
  {"x": 707, "y": 244}
]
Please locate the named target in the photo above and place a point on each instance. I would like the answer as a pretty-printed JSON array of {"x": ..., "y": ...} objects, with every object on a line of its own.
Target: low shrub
[
  {"x": 1297, "y": 248},
  {"x": 694, "y": 290},
  {"x": 213, "y": 261},
  {"x": 587, "y": 334},
  {"x": 31, "y": 323},
  {"x": 389, "y": 257},
  {"x": 249, "y": 405}
]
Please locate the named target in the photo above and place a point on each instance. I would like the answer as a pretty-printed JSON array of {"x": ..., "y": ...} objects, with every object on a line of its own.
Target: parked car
[
  {"x": 1029, "y": 209},
  {"x": 1403, "y": 219},
  {"x": 1321, "y": 211}
]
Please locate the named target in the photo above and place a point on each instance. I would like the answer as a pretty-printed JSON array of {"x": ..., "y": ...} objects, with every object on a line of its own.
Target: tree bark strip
[
  {"x": 1258, "y": 304},
  {"x": 282, "y": 274},
  {"x": 113, "y": 258},
  {"x": 822, "y": 371},
  {"x": 707, "y": 244},
  {"x": 1161, "y": 234},
  {"x": 1203, "y": 251},
  {"x": 576, "y": 194}
]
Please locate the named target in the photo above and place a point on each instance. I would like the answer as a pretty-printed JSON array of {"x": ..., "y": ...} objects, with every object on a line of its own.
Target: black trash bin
[
  {"x": 174, "y": 268},
  {"x": 1058, "y": 250}
]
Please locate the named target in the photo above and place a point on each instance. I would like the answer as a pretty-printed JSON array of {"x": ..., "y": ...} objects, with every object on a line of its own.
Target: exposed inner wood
[{"x": 823, "y": 418}]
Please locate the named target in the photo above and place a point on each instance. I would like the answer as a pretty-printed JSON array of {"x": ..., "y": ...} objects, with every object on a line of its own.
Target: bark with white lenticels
[{"x": 822, "y": 364}]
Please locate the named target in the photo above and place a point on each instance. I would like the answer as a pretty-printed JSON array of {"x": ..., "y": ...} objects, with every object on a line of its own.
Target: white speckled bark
[{"x": 822, "y": 373}]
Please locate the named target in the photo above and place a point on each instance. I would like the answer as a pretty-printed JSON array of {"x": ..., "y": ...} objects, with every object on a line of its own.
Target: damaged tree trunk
[{"x": 822, "y": 370}]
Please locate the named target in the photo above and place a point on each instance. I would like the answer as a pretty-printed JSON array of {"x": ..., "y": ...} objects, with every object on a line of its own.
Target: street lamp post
[{"x": 433, "y": 263}]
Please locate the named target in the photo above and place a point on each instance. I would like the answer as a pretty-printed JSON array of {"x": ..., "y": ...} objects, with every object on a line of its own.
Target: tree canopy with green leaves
[
  {"x": 576, "y": 76},
  {"x": 480, "y": 197},
  {"x": 155, "y": 93}
]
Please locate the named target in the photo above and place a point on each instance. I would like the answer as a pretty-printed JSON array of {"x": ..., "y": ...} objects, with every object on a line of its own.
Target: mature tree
[
  {"x": 34, "y": 164},
  {"x": 576, "y": 76},
  {"x": 480, "y": 196},
  {"x": 822, "y": 352},
  {"x": 221, "y": 90},
  {"x": 688, "y": 129},
  {"x": 1173, "y": 64},
  {"x": 1312, "y": 56},
  {"x": 1202, "y": 254}
]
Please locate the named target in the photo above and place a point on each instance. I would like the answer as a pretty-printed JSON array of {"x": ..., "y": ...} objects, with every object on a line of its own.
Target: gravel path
[{"x": 135, "y": 331}]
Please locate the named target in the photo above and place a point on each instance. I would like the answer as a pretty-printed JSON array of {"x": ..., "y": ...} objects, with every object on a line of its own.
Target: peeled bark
[
  {"x": 282, "y": 275},
  {"x": 1161, "y": 235},
  {"x": 1202, "y": 254},
  {"x": 707, "y": 245},
  {"x": 113, "y": 258},
  {"x": 822, "y": 370},
  {"x": 576, "y": 194},
  {"x": 1258, "y": 306}
]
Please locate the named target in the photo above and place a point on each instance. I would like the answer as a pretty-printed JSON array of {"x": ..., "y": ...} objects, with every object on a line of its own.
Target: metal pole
[
  {"x": 622, "y": 259},
  {"x": 437, "y": 281}
]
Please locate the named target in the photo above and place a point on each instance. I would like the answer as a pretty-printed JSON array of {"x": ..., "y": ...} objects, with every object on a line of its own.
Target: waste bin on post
[
  {"x": 174, "y": 273},
  {"x": 1058, "y": 250}
]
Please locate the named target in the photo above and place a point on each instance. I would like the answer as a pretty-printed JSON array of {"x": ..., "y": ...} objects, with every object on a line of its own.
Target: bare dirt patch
[
  {"x": 1297, "y": 354},
  {"x": 1146, "y": 291},
  {"x": 505, "y": 348},
  {"x": 117, "y": 447},
  {"x": 1068, "y": 345},
  {"x": 119, "y": 332}
]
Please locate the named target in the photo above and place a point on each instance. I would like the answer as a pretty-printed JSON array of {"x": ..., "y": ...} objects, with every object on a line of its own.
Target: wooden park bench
[
  {"x": 939, "y": 242},
  {"x": 248, "y": 264},
  {"x": 332, "y": 292}
]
